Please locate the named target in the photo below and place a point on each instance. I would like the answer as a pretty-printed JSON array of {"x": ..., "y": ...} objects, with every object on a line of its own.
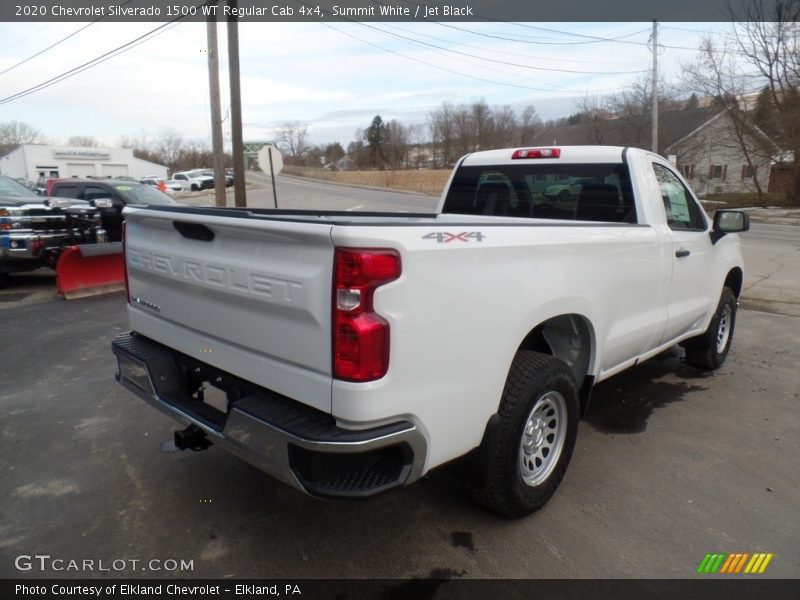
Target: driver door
[{"x": 691, "y": 296}]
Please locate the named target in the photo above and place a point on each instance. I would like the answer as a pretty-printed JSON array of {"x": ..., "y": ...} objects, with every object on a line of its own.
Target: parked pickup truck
[
  {"x": 193, "y": 181},
  {"x": 34, "y": 230},
  {"x": 346, "y": 353}
]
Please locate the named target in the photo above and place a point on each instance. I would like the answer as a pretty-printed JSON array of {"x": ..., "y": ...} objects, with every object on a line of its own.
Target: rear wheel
[
  {"x": 710, "y": 349},
  {"x": 538, "y": 423},
  {"x": 4, "y": 278}
]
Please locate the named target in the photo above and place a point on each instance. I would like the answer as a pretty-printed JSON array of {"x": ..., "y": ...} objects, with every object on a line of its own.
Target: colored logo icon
[{"x": 735, "y": 563}]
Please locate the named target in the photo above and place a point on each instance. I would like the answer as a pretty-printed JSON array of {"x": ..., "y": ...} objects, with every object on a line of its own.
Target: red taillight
[
  {"x": 537, "y": 153},
  {"x": 125, "y": 265},
  {"x": 360, "y": 336}
]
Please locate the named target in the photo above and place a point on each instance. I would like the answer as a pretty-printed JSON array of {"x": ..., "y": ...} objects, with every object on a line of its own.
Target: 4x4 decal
[{"x": 444, "y": 237}]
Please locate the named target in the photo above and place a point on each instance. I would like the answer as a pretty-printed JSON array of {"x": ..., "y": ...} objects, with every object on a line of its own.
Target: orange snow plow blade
[{"x": 89, "y": 270}]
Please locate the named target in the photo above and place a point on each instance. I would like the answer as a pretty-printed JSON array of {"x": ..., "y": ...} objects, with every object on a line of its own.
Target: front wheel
[
  {"x": 710, "y": 349},
  {"x": 528, "y": 455}
]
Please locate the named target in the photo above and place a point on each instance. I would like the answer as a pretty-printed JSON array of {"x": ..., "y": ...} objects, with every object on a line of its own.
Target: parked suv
[
  {"x": 34, "y": 230},
  {"x": 120, "y": 193}
]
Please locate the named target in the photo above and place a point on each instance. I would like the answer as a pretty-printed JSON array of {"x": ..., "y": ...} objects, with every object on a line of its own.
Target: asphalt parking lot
[{"x": 670, "y": 463}]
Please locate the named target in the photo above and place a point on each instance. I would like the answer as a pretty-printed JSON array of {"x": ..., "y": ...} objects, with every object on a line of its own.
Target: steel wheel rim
[
  {"x": 542, "y": 438},
  {"x": 724, "y": 328}
]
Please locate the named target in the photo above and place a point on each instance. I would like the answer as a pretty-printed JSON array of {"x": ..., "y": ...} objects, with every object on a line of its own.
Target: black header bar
[{"x": 247, "y": 11}]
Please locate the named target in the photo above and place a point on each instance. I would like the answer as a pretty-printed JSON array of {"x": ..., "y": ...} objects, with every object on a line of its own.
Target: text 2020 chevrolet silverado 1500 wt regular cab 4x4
[{"x": 349, "y": 353}]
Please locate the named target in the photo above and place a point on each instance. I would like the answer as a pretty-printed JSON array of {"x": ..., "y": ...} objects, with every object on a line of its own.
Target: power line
[
  {"x": 549, "y": 58},
  {"x": 27, "y": 37},
  {"x": 590, "y": 38},
  {"x": 617, "y": 40},
  {"x": 94, "y": 62},
  {"x": 454, "y": 72},
  {"x": 429, "y": 64},
  {"x": 64, "y": 39},
  {"x": 527, "y": 39},
  {"x": 499, "y": 62},
  {"x": 593, "y": 39}
]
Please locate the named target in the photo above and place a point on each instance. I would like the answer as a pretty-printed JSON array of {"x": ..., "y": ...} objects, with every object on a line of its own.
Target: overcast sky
[{"x": 334, "y": 77}]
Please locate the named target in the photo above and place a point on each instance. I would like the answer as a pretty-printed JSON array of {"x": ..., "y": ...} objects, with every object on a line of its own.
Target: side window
[
  {"x": 679, "y": 205},
  {"x": 66, "y": 191},
  {"x": 180, "y": 177}
]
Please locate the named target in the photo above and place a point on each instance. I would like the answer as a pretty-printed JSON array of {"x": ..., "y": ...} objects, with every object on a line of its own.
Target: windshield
[
  {"x": 9, "y": 187},
  {"x": 142, "y": 194},
  {"x": 579, "y": 192}
]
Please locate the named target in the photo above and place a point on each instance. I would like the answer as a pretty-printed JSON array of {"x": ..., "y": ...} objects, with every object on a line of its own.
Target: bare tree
[
  {"x": 168, "y": 146},
  {"x": 504, "y": 127},
  {"x": 718, "y": 74},
  {"x": 14, "y": 133},
  {"x": 441, "y": 123},
  {"x": 594, "y": 117},
  {"x": 634, "y": 108},
  {"x": 769, "y": 37},
  {"x": 529, "y": 125},
  {"x": 416, "y": 139},
  {"x": 395, "y": 142},
  {"x": 292, "y": 139},
  {"x": 138, "y": 140},
  {"x": 483, "y": 121},
  {"x": 82, "y": 140}
]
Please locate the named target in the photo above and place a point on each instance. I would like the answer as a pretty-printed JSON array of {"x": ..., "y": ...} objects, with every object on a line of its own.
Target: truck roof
[{"x": 568, "y": 154}]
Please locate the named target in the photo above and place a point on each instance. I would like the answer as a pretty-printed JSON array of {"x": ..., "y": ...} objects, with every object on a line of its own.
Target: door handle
[{"x": 682, "y": 253}]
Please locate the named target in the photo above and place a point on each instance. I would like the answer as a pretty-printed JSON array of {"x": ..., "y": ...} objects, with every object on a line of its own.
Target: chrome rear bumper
[{"x": 298, "y": 445}]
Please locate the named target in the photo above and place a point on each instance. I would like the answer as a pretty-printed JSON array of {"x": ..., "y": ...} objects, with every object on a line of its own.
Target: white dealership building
[{"x": 32, "y": 161}]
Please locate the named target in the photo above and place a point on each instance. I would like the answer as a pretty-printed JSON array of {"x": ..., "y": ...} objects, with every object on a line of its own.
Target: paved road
[
  {"x": 294, "y": 192},
  {"x": 772, "y": 265},
  {"x": 670, "y": 464}
]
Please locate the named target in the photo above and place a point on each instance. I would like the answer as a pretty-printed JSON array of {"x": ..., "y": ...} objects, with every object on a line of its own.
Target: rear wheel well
[
  {"x": 568, "y": 337},
  {"x": 734, "y": 281}
]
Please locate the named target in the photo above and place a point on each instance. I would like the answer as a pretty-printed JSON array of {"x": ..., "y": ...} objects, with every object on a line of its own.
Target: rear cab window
[{"x": 577, "y": 192}]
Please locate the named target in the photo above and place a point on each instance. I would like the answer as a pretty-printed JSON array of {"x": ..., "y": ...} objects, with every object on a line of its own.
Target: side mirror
[{"x": 729, "y": 221}]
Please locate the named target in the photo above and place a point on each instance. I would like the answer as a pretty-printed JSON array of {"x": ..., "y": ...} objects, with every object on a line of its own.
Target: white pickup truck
[{"x": 346, "y": 353}]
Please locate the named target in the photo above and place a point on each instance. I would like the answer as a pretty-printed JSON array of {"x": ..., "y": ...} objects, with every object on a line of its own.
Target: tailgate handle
[{"x": 194, "y": 231}]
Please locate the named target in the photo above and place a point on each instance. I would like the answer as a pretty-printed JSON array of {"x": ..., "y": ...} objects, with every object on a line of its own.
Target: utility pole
[
  {"x": 654, "y": 108},
  {"x": 216, "y": 113},
  {"x": 236, "y": 109}
]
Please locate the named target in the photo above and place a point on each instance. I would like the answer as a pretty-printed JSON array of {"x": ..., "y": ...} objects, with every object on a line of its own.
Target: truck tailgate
[{"x": 248, "y": 293}]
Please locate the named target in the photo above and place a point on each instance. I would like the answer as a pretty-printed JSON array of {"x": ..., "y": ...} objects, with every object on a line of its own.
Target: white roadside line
[{"x": 355, "y": 207}]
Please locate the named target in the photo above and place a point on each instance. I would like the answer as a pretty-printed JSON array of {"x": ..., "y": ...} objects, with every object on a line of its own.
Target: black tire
[
  {"x": 195, "y": 187},
  {"x": 710, "y": 349},
  {"x": 4, "y": 279},
  {"x": 533, "y": 380}
]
